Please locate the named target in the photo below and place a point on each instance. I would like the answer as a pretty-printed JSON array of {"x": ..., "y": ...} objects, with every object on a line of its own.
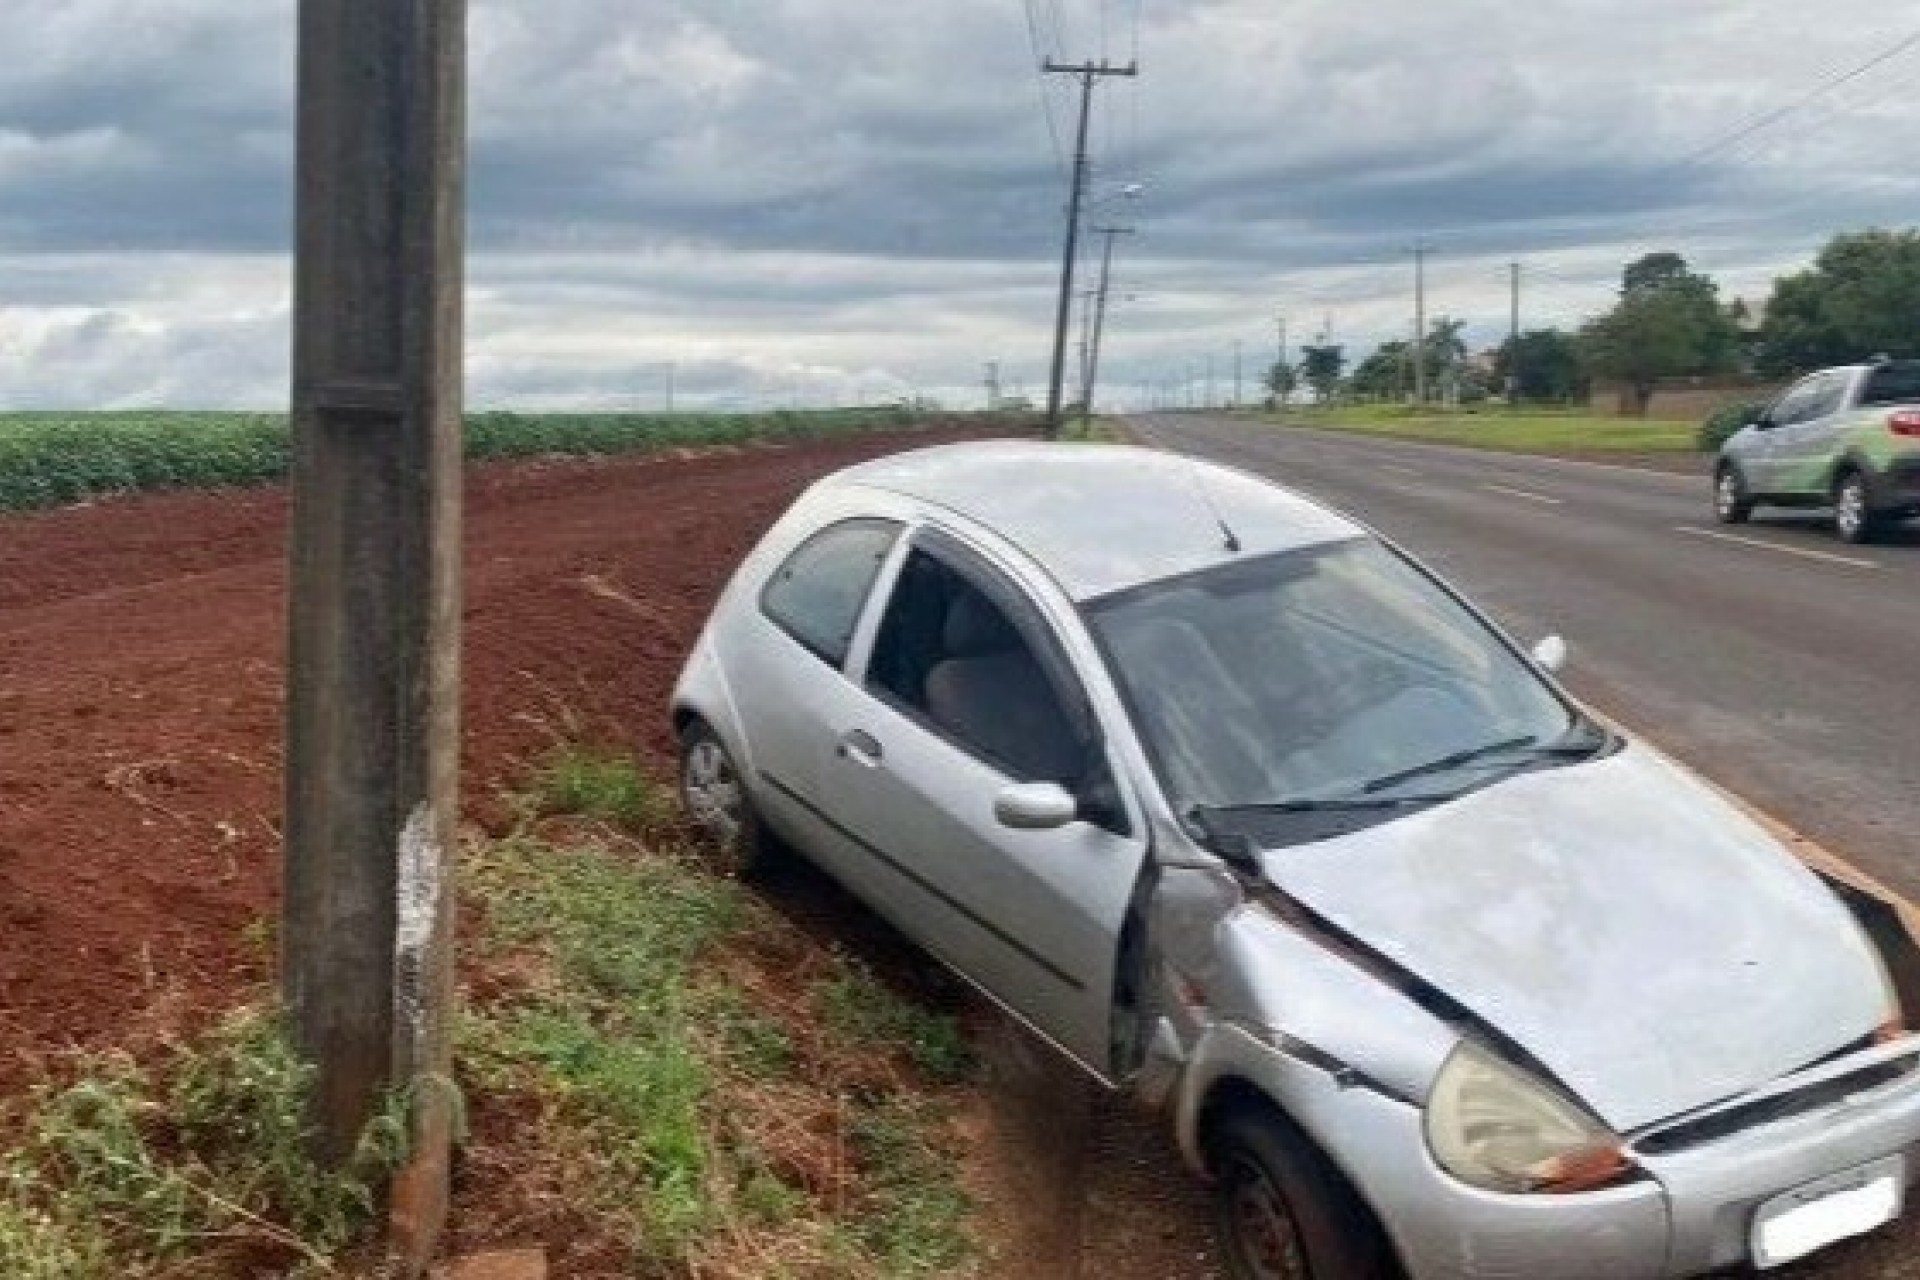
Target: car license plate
[{"x": 1825, "y": 1212}]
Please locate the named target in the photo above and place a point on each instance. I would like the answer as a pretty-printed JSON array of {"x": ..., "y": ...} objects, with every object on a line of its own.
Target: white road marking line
[
  {"x": 1401, "y": 471},
  {"x": 1825, "y": 557},
  {"x": 1526, "y": 494}
]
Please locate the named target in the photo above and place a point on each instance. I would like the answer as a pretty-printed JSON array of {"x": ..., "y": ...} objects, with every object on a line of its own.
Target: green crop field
[
  {"x": 50, "y": 459},
  {"x": 1549, "y": 432}
]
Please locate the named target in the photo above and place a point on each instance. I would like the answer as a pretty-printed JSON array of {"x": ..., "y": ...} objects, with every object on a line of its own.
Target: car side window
[
  {"x": 1792, "y": 407},
  {"x": 1825, "y": 397},
  {"x": 951, "y": 655},
  {"x": 818, "y": 595}
]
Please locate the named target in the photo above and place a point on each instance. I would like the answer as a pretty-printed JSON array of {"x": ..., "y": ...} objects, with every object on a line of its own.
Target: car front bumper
[{"x": 1691, "y": 1212}]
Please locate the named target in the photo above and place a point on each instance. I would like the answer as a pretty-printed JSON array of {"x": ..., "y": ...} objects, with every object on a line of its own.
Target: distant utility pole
[
  {"x": 671, "y": 371},
  {"x": 1087, "y": 299},
  {"x": 1513, "y": 351},
  {"x": 1090, "y": 73},
  {"x": 1239, "y": 351},
  {"x": 1109, "y": 235},
  {"x": 993, "y": 385},
  {"x": 373, "y": 679},
  {"x": 1207, "y": 400},
  {"x": 1420, "y": 324}
]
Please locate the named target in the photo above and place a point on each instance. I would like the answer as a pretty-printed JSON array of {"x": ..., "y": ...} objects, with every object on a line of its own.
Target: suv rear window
[{"x": 1893, "y": 384}]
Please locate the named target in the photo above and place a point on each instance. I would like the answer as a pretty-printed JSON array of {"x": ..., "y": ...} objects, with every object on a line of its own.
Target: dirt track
[{"x": 141, "y": 693}]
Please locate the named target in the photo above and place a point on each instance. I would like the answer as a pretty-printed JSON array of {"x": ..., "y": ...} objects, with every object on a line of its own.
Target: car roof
[{"x": 1103, "y": 518}]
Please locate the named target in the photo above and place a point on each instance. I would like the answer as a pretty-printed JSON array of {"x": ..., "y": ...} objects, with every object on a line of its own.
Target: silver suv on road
[{"x": 1848, "y": 438}]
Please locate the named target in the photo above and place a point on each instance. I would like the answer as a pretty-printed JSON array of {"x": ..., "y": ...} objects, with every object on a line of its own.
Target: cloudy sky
[{"x": 831, "y": 200}]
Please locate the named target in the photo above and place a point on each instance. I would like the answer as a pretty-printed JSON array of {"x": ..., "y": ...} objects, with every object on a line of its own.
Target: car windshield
[{"x": 1340, "y": 677}]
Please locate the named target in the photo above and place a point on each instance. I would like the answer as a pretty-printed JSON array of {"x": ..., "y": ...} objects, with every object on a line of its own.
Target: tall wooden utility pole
[
  {"x": 373, "y": 674},
  {"x": 1090, "y": 74},
  {"x": 1109, "y": 234}
]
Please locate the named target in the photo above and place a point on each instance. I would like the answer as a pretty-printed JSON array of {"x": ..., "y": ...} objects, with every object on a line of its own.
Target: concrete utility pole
[
  {"x": 1087, "y": 299},
  {"x": 1513, "y": 352},
  {"x": 1109, "y": 235},
  {"x": 1239, "y": 352},
  {"x": 1420, "y": 324},
  {"x": 372, "y": 763},
  {"x": 993, "y": 385},
  {"x": 1090, "y": 73}
]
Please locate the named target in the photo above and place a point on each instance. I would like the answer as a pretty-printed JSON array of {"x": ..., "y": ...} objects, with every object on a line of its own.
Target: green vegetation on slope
[
  {"x": 49, "y": 459},
  {"x": 1523, "y": 432},
  {"x": 715, "y": 1094},
  {"x": 127, "y": 1169},
  {"x": 661, "y": 1076}
]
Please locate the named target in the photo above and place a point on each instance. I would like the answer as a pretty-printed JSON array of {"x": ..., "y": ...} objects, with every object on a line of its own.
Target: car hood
[{"x": 1648, "y": 944}]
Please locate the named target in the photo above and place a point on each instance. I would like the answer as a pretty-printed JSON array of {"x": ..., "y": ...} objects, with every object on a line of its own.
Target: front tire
[
  {"x": 1854, "y": 518},
  {"x": 1732, "y": 504},
  {"x": 716, "y": 800},
  {"x": 1283, "y": 1211}
]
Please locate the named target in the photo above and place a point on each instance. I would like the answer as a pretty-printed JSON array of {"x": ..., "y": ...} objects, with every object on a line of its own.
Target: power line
[
  {"x": 1046, "y": 103},
  {"x": 1768, "y": 119}
]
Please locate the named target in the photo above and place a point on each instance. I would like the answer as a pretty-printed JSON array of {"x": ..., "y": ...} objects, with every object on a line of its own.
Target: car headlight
[{"x": 1494, "y": 1126}]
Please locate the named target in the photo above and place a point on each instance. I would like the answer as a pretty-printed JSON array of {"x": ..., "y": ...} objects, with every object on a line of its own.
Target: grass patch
[
  {"x": 707, "y": 1090},
  {"x": 124, "y": 1170},
  {"x": 664, "y": 1077},
  {"x": 861, "y": 1008},
  {"x": 50, "y": 459},
  {"x": 575, "y": 781},
  {"x": 1505, "y": 431}
]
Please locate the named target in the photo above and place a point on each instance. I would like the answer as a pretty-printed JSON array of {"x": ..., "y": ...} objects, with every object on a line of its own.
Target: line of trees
[{"x": 1860, "y": 299}]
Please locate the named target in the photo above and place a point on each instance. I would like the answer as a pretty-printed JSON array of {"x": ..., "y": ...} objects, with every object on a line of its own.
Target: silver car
[{"x": 1242, "y": 810}]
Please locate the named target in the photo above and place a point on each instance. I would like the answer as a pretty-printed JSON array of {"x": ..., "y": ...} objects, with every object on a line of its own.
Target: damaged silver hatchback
[{"x": 1242, "y": 810}]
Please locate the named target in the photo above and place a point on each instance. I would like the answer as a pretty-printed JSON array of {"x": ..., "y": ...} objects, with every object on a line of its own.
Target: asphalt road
[{"x": 1772, "y": 658}]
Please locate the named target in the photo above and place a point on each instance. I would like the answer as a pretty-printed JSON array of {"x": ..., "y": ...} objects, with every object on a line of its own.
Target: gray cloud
[{"x": 832, "y": 198}]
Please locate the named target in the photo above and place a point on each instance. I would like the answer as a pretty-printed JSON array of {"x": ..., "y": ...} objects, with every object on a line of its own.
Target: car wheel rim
[
  {"x": 1263, "y": 1228},
  {"x": 1729, "y": 493},
  {"x": 713, "y": 794},
  {"x": 1852, "y": 508}
]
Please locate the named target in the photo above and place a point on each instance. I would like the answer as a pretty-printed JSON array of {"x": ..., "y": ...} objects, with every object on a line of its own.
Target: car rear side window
[
  {"x": 1893, "y": 384},
  {"x": 818, "y": 594}
]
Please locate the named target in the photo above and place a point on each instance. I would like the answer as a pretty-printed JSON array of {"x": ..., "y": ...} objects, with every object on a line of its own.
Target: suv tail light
[{"x": 1905, "y": 423}]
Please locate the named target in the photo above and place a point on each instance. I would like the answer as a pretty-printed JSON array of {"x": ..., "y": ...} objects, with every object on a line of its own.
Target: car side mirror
[
  {"x": 1036, "y": 806},
  {"x": 1552, "y": 654}
]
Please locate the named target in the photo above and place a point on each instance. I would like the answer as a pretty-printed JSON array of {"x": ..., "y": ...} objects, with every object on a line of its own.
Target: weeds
[
  {"x": 864, "y": 1009},
  {"x": 126, "y": 1169},
  {"x": 715, "y": 1112},
  {"x": 574, "y": 781}
]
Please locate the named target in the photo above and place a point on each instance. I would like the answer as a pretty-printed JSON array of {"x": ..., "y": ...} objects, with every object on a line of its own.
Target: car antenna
[{"x": 1199, "y": 478}]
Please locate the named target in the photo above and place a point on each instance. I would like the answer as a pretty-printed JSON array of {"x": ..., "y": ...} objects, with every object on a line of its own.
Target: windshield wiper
[
  {"x": 1331, "y": 804},
  {"x": 1578, "y": 749}
]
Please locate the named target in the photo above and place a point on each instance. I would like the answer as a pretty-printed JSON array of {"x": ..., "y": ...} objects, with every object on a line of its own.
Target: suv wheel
[
  {"x": 1732, "y": 504},
  {"x": 1853, "y": 515},
  {"x": 1283, "y": 1211},
  {"x": 716, "y": 800}
]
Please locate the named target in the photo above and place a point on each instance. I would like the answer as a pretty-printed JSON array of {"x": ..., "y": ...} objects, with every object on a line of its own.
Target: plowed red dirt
[{"x": 141, "y": 696}]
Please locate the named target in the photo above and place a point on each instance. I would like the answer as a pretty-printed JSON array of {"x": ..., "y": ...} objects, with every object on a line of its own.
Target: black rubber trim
[{"x": 1052, "y": 970}]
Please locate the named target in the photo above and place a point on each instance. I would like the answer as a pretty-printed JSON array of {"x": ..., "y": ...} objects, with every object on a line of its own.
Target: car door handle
[{"x": 862, "y": 748}]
